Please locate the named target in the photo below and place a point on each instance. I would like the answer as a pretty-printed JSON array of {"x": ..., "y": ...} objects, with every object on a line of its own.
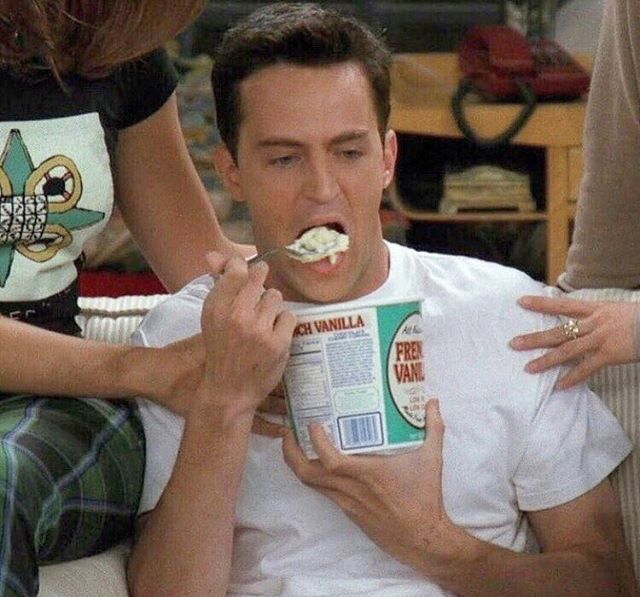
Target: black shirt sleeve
[{"x": 144, "y": 86}]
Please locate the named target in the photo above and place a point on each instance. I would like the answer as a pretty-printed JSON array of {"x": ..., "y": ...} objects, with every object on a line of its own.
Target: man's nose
[{"x": 321, "y": 184}]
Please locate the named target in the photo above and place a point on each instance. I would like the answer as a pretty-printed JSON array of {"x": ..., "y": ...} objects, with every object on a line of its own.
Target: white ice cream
[{"x": 319, "y": 243}]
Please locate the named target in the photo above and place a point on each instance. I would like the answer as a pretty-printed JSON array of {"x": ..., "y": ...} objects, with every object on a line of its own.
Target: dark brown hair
[
  {"x": 87, "y": 37},
  {"x": 302, "y": 34}
]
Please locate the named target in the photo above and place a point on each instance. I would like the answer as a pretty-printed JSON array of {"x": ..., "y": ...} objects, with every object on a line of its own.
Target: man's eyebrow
[
  {"x": 289, "y": 142},
  {"x": 349, "y": 136},
  {"x": 279, "y": 142}
]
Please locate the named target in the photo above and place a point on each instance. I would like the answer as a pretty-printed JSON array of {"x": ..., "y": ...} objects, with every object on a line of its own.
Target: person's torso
[
  {"x": 510, "y": 445},
  {"x": 57, "y": 154},
  {"x": 56, "y": 192},
  {"x": 291, "y": 540}
]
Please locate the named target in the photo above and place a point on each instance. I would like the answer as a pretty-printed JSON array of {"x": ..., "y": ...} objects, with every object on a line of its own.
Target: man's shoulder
[
  {"x": 175, "y": 318},
  {"x": 469, "y": 288},
  {"x": 477, "y": 276}
]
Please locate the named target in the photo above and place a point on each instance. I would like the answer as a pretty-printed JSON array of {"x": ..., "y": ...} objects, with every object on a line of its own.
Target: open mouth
[
  {"x": 319, "y": 242},
  {"x": 336, "y": 226}
]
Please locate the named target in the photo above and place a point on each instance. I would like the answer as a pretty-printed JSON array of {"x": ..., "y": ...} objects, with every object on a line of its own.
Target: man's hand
[
  {"x": 396, "y": 500},
  {"x": 607, "y": 333},
  {"x": 246, "y": 336}
]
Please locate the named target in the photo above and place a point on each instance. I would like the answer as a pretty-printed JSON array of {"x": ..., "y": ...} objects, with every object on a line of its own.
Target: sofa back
[{"x": 619, "y": 388}]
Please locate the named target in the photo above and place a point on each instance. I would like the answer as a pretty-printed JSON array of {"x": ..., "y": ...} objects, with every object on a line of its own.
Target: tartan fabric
[{"x": 71, "y": 473}]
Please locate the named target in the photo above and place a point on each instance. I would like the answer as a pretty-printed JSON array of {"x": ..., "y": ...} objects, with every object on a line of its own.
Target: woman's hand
[
  {"x": 182, "y": 366},
  {"x": 605, "y": 333}
]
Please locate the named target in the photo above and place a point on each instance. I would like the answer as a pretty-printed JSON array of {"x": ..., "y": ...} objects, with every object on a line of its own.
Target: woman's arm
[
  {"x": 38, "y": 361},
  {"x": 163, "y": 201},
  {"x": 605, "y": 249}
]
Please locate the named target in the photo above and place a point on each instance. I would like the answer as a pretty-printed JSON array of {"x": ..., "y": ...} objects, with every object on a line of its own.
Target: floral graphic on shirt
[{"x": 38, "y": 205}]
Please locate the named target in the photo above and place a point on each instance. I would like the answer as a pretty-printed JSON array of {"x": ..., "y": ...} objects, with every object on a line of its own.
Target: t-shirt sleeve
[
  {"x": 145, "y": 85},
  {"x": 174, "y": 319},
  {"x": 574, "y": 443}
]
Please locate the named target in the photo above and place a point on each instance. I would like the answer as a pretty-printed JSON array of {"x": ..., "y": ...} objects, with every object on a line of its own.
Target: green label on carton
[{"x": 401, "y": 340}]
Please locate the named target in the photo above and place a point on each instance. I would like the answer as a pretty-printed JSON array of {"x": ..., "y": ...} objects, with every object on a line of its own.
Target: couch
[{"x": 113, "y": 320}]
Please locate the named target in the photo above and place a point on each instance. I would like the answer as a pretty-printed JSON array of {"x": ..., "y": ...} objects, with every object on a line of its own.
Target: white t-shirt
[{"x": 512, "y": 444}]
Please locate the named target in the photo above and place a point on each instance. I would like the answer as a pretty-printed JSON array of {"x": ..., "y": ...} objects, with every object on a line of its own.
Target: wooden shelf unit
[{"x": 422, "y": 86}]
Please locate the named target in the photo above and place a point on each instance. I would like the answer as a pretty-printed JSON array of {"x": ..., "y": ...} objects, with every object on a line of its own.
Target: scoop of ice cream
[{"x": 318, "y": 243}]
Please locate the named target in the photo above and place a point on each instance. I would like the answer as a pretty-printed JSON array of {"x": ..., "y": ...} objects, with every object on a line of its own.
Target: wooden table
[{"x": 422, "y": 86}]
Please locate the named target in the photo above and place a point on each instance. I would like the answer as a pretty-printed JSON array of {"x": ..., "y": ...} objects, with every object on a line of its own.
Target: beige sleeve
[{"x": 605, "y": 250}]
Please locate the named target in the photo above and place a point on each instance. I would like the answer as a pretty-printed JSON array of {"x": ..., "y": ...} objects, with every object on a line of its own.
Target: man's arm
[
  {"x": 397, "y": 501},
  {"x": 583, "y": 547},
  {"x": 583, "y": 553},
  {"x": 184, "y": 547}
]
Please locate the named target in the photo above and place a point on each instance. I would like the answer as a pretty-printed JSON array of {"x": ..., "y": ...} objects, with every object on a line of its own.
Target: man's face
[{"x": 310, "y": 154}]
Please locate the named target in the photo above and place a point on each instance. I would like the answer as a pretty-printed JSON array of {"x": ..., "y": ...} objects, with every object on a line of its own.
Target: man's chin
[
  {"x": 315, "y": 294},
  {"x": 326, "y": 290}
]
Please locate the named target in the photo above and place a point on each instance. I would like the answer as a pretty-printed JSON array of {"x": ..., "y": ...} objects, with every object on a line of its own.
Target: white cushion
[
  {"x": 100, "y": 576},
  {"x": 114, "y": 319},
  {"x": 619, "y": 388}
]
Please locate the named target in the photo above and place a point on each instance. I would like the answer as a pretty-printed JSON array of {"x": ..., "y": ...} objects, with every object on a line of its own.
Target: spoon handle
[{"x": 262, "y": 256}]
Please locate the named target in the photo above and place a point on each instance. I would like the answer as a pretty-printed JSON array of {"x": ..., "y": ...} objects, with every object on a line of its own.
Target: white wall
[{"x": 578, "y": 24}]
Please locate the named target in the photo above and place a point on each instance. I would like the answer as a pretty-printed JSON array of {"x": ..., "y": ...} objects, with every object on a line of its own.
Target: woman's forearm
[{"x": 37, "y": 361}]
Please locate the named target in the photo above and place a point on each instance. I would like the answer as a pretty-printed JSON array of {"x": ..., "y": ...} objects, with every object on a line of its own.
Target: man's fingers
[
  {"x": 252, "y": 290},
  {"x": 232, "y": 278},
  {"x": 285, "y": 324},
  {"x": 314, "y": 472},
  {"x": 237, "y": 290},
  {"x": 434, "y": 426},
  {"x": 216, "y": 262},
  {"x": 296, "y": 460},
  {"x": 558, "y": 305},
  {"x": 328, "y": 454},
  {"x": 325, "y": 478},
  {"x": 268, "y": 307},
  {"x": 274, "y": 403},
  {"x": 433, "y": 442}
]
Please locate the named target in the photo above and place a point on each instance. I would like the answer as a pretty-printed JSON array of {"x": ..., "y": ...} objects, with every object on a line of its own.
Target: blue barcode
[{"x": 360, "y": 431}]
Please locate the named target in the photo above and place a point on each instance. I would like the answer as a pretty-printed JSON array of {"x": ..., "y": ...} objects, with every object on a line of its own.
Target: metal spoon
[{"x": 270, "y": 253}]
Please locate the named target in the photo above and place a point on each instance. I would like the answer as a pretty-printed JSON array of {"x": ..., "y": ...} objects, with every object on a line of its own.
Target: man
[{"x": 303, "y": 101}]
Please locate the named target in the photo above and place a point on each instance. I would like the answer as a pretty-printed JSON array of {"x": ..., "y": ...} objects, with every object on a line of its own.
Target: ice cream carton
[{"x": 359, "y": 370}]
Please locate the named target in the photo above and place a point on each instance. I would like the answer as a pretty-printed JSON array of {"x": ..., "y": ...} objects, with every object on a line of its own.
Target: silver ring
[{"x": 571, "y": 329}]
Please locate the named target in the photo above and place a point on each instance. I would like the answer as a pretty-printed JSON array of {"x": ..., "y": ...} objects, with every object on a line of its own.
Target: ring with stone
[{"x": 571, "y": 329}]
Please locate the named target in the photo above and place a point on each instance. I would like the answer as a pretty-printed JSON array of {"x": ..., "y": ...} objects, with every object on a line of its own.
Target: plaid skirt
[{"x": 71, "y": 474}]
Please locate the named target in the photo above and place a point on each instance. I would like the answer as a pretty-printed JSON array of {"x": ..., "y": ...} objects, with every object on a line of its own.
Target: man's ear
[
  {"x": 227, "y": 169},
  {"x": 389, "y": 156}
]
